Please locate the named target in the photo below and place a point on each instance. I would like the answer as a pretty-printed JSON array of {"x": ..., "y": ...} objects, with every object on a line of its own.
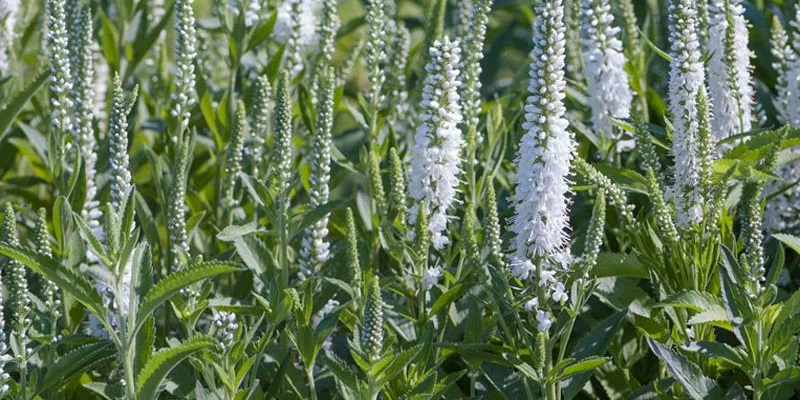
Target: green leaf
[
  {"x": 690, "y": 376},
  {"x": 716, "y": 316},
  {"x": 399, "y": 362},
  {"x": 720, "y": 350},
  {"x": 157, "y": 368},
  {"x": 343, "y": 374},
  {"x": 78, "y": 360},
  {"x": 791, "y": 241},
  {"x": 17, "y": 103},
  {"x": 172, "y": 284},
  {"x": 106, "y": 391},
  {"x": 694, "y": 300},
  {"x": 594, "y": 343},
  {"x": 233, "y": 232},
  {"x": 788, "y": 377},
  {"x": 110, "y": 41},
  {"x": 256, "y": 256},
  {"x": 616, "y": 264},
  {"x": 585, "y": 365},
  {"x": 447, "y": 298},
  {"x": 786, "y": 324},
  {"x": 64, "y": 278},
  {"x": 316, "y": 214},
  {"x": 661, "y": 53},
  {"x": 262, "y": 33}
]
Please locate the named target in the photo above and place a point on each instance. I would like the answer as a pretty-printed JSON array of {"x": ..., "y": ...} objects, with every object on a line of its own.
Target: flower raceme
[
  {"x": 541, "y": 202},
  {"x": 436, "y": 155},
  {"x": 610, "y": 94},
  {"x": 729, "y": 81},
  {"x": 687, "y": 77}
]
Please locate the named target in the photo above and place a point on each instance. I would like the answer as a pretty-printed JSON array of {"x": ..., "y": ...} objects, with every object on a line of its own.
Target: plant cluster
[{"x": 399, "y": 199}]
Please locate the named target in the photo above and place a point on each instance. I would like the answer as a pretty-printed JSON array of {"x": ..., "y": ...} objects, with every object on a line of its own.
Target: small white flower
[
  {"x": 430, "y": 278},
  {"x": 522, "y": 269},
  {"x": 543, "y": 321},
  {"x": 531, "y": 304},
  {"x": 559, "y": 293},
  {"x": 547, "y": 277}
]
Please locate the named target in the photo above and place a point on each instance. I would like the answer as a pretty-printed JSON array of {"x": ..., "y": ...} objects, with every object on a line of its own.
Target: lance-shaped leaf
[
  {"x": 9, "y": 113},
  {"x": 690, "y": 376},
  {"x": 66, "y": 279},
  {"x": 75, "y": 361},
  {"x": 157, "y": 368},
  {"x": 172, "y": 284}
]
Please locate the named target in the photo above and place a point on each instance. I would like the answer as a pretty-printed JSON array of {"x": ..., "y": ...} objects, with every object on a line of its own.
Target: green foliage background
[{"x": 472, "y": 338}]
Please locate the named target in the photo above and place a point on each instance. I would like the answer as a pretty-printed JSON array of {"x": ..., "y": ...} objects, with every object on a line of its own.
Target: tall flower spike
[
  {"x": 260, "y": 114},
  {"x": 703, "y": 21},
  {"x": 793, "y": 74},
  {"x": 687, "y": 76},
  {"x": 51, "y": 296},
  {"x": 783, "y": 54},
  {"x": 376, "y": 49},
  {"x": 397, "y": 88},
  {"x": 752, "y": 216},
  {"x": 294, "y": 47},
  {"x": 594, "y": 235},
  {"x": 399, "y": 201},
  {"x": 4, "y": 356},
  {"x": 60, "y": 72},
  {"x": 282, "y": 152},
  {"x": 612, "y": 190},
  {"x": 326, "y": 30},
  {"x": 652, "y": 168},
  {"x": 632, "y": 41},
  {"x": 376, "y": 184},
  {"x": 729, "y": 80},
  {"x": 353, "y": 258},
  {"x": 328, "y": 25},
  {"x": 421, "y": 237},
  {"x": 8, "y": 21},
  {"x": 282, "y": 161},
  {"x": 233, "y": 159},
  {"x": 16, "y": 282},
  {"x": 472, "y": 49},
  {"x": 469, "y": 240},
  {"x": 492, "y": 235},
  {"x": 176, "y": 207},
  {"x": 186, "y": 55},
  {"x": 315, "y": 249},
  {"x": 84, "y": 96},
  {"x": 372, "y": 334},
  {"x": 572, "y": 20},
  {"x": 118, "y": 144},
  {"x": 610, "y": 93},
  {"x": 438, "y": 143},
  {"x": 541, "y": 203}
]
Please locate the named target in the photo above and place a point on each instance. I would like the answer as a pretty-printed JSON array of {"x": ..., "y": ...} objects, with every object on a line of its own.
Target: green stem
[{"x": 312, "y": 390}]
